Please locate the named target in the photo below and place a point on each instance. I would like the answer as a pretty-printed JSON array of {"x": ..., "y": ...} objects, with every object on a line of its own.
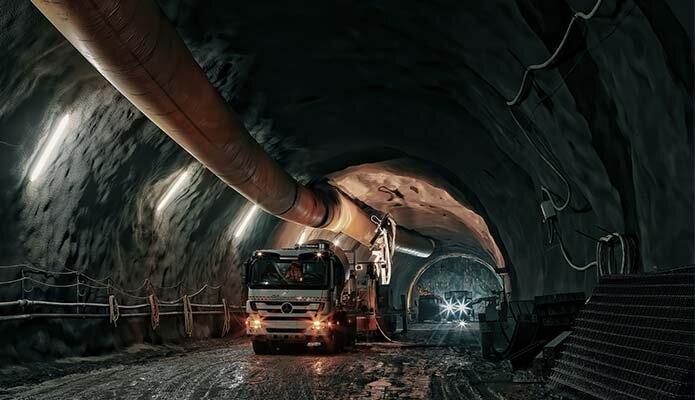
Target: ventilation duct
[{"x": 135, "y": 48}]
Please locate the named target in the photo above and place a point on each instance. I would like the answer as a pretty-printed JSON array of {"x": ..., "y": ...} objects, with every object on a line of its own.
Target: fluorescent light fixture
[
  {"x": 50, "y": 147},
  {"x": 245, "y": 221},
  {"x": 173, "y": 190}
]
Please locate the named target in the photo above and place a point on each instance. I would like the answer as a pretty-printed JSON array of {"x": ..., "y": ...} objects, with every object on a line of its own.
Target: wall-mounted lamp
[
  {"x": 50, "y": 148},
  {"x": 245, "y": 221},
  {"x": 173, "y": 190}
]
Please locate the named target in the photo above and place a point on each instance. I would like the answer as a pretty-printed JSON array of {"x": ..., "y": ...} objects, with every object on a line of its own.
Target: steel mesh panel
[{"x": 635, "y": 339}]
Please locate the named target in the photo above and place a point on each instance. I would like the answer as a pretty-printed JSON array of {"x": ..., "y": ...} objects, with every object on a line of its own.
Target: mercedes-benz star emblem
[{"x": 286, "y": 308}]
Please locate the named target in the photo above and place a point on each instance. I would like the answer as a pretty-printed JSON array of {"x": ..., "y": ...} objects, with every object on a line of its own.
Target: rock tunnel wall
[
  {"x": 326, "y": 85},
  {"x": 94, "y": 207}
]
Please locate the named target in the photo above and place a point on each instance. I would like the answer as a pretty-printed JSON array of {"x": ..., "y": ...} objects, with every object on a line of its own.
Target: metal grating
[{"x": 635, "y": 339}]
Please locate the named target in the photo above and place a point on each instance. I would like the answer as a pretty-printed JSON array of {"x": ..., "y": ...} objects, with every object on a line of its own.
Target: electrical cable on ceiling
[
  {"x": 550, "y": 164},
  {"x": 564, "y": 77},
  {"x": 552, "y": 58},
  {"x": 604, "y": 248},
  {"x": 521, "y": 90},
  {"x": 518, "y": 98}
]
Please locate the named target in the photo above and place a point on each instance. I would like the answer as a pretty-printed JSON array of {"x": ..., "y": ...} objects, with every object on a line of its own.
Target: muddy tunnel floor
[{"x": 437, "y": 361}]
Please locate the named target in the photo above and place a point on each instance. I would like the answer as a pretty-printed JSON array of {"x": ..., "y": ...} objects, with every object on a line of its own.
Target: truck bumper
[{"x": 287, "y": 331}]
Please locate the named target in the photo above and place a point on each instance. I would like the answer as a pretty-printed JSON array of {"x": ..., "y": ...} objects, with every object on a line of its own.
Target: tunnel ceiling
[
  {"x": 419, "y": 201},
  {"x": 325, "y": 86}
]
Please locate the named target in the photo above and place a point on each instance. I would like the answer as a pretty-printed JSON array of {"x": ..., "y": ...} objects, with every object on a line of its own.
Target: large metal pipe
[{"x": 135, "y": 48}]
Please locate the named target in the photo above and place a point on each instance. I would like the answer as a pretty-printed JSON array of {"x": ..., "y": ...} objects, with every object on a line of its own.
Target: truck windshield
[{"x": 288, "y": 274}]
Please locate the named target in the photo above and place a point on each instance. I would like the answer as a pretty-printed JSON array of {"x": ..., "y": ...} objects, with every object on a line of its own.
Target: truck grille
[
  {"x": 285, "y": 318},
  {"x": 275, "y": 308},
  {"x": 294, "y": 303}
]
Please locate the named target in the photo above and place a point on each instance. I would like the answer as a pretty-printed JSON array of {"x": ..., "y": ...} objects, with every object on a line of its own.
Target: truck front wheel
[{"x": 260, "y": 348}]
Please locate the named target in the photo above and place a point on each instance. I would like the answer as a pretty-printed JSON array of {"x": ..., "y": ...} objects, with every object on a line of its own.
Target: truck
[{"x": 309, "y": 295}]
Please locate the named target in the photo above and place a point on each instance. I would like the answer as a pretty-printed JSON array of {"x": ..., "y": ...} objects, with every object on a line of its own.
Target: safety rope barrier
[
  {"x": 14, "y": 266},
  {"x": 124, "y": 292},
  {"x": 114, "y": 308},
  {"x": 12, "y": 281}
]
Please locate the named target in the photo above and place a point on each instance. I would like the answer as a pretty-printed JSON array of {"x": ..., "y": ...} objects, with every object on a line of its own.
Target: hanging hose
[
  {"x": 378, "y": 325},
  {"x": 604, "y": 259},
  {"x": 187, "y": 316},
  {"x": 114, "y": 313},
  {"x": 154, "y": 312}
]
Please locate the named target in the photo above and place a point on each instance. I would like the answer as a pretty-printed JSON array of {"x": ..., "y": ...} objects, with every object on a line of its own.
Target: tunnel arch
[
  {"x": 408, "y": 162},
  {"x": 421, "y": 190},
  {"x": 396, "y": 161},
  {"x": 435, "y": 260},
  {"x": 415, "y": 192}
]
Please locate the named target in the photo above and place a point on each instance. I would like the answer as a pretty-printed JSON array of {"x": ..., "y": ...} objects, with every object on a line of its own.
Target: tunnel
[{"x": 336, "y": 200}]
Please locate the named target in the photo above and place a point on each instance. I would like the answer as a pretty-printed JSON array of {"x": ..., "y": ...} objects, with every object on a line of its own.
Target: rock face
[{"x": 330, "y": 85}]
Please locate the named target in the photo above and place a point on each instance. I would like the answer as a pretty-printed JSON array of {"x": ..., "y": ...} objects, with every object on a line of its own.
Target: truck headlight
[
  {"x": 254, "y": 323},
  {"x": 318, "y": 325}
]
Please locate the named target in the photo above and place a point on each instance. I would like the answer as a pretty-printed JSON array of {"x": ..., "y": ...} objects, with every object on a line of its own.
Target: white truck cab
[{"x": 296, "y": 297}]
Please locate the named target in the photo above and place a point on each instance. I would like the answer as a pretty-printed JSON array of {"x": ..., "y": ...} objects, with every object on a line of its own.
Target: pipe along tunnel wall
[{"x": 433, "y": 94}]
